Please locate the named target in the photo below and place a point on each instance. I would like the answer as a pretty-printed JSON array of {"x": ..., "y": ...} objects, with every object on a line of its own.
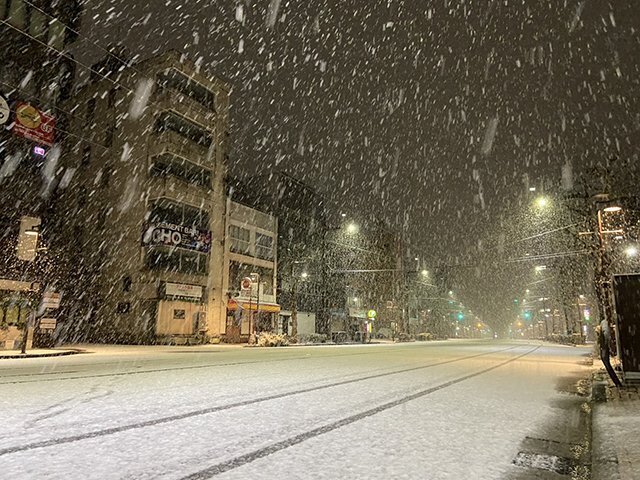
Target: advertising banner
[
  {"x": 33, "y": 124},
  {"x": 171, "y": 235}
]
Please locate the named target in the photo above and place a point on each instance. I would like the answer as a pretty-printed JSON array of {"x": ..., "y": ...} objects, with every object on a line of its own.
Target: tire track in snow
[
  {"x": 290, "y": 442},
  {"x": 205, "y": 411}
]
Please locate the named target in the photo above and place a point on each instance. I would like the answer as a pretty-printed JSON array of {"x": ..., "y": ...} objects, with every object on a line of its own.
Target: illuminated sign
[
  {"x": 39, "y": 151},
  {"x": 34, "y": 124}
]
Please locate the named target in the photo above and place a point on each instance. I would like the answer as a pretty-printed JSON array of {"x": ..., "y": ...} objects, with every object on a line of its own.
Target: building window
[
  {"x": 105, "y": 178},
  {"x": 91, "y": 110},
  {"x": 165, "y": 210},
  {"x": 182, "y": 126},
  {"x": 111, "y": 97},
  {"x": 123, "y": 307},
  {"x": 179, "y": 314},
  {"x": 240, "y": 240},
  {"x": 56, "y": 34},
  {"x": 126, "y": 283},
  {"x": 108, "y": 140},
  {"x": 82, "y": 197},
  {"x": 168, "y": 164},
  {"x": 86, "y": 155},
  {"x": 264, "y": 246},
  {"x": 177, "y": 260},
  {"x": 37, "y": 24},
  {"x": 17, "y": 14},
  {"x": 175, "y": 80}
]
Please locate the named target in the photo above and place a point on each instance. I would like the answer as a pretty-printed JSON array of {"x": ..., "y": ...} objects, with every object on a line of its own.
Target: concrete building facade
[{"x": 144, "y": 211}]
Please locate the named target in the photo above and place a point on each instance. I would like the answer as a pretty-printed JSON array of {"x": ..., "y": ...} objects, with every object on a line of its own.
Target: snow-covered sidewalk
[
  {"x": 616, "y": 443},
  {"x": 38, "y": 352}
]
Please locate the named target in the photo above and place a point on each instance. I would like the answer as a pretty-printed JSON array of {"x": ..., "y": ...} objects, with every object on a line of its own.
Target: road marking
[
  {"x": 289, "y": 442},
  {"x": 205, "y": 411}
]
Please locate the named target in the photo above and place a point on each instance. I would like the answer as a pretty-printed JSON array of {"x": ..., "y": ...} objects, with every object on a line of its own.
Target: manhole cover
[{"x": 551, "y": 463}]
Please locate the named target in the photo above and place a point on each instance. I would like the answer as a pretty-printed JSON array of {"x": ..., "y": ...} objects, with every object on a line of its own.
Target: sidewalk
[
  {"x": 39, "y": 352},
  {"x": 616, "y": 431}
]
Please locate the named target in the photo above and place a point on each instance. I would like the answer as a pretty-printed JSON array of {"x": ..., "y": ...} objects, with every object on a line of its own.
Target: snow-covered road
[{"x": 441, "y": 410}]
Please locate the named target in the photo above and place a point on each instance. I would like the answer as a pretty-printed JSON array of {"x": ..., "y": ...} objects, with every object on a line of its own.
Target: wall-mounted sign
[
  {"x": 47, "y": 323},
  {"x": 183, "y": 290},
  {"x": 5, "y": 112},
  {"x": 173, "y": 235},
  {"x": 33, "y": 124},
  {"x": 51, "y": 300},
  {"x": 37, "y": 150}
]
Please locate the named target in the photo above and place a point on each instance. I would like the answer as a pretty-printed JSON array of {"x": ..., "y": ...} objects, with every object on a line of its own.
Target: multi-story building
[
  {"x": 36, "y": 76},
  {"x": 144, "y": 211},
  {"x": 302, "y": 230},
  {"x": 250, "y": 265}
]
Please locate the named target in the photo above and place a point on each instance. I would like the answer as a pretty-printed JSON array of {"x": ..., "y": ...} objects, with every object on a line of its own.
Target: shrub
[
  {"x": 312, "y": 338},
  {"x": 404, "y": 337},
  {"x": 425, "y": 336},
  {"x": 266, "y": 339}
]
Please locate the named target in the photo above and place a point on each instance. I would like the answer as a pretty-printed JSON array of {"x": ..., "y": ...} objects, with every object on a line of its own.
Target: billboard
[
  {"x": 33, "y": 124},
  {"x": 172, "y": 235}
]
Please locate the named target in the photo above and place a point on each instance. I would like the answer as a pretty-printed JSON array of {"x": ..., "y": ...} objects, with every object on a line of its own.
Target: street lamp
[
  {"x": 631, "y": 251},
  {"x": 352, "y": 228},
  {"x": 542, "y": 202},
  {"x": 425, "y": 273}
]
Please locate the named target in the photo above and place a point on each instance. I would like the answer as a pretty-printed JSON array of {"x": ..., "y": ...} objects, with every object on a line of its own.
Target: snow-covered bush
[
  {"x": 266, "y": 339},
  {"x": 404, "y": 337},
  {"x": 425, "y": 336},
  {"x": 312, "y": 338}
]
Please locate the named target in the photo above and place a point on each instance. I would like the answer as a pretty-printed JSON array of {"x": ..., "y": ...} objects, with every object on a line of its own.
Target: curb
[
  {"x": 43, "y": 355},
  {"x": 604, "y": 459}
]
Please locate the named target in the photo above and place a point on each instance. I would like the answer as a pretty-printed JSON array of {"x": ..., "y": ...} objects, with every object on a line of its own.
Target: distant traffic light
[
  {"x": 460, "y": 316},
  {"x": 527, "y": 315}
]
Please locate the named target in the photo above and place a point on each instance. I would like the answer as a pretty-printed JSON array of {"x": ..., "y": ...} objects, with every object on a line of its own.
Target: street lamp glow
[
  {"x": 450, "y": 292},
  {"x": 425, "y": 273},
  {"x": 539, "y": 268},
  {"x": 352, "y": 228},
  {"x": 304, "y": 275},
  {"x": 542, "y": 202},
  {"x": 631, "y": 251},
  {"x": 343, "y": 215},
  {"x": 532, "y": 189}
]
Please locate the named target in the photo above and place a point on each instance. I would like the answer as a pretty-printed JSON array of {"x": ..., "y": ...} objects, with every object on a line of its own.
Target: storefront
[
  {"x": 181, "y": 310},
  {"x": 246, "y": 315}
]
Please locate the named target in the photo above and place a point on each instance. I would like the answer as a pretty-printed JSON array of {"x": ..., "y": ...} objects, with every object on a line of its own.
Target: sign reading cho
[{"x": 172, "y": 235}]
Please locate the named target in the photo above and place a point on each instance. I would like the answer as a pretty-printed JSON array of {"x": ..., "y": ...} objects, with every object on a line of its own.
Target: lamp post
[{"x": 603, "y": 283}]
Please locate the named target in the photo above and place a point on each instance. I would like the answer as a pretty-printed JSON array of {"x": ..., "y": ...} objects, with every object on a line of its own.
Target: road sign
[
  {"x": 246, "y": 283},
  {"x": 372, "y": 314},
  {"x": 48, "y": 323},
  {"x": 5, "y": 112}
]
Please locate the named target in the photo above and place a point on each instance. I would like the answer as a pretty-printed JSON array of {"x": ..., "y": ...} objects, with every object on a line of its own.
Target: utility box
[{"x": 626, "y": 290}]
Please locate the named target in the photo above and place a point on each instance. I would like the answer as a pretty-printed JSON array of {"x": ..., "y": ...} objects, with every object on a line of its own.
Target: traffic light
[
  {"x": 527, "y": 315},
  {"x": 460, "y": 316}
]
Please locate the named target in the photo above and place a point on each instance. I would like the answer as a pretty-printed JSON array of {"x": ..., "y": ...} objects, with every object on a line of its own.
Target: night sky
[{"x": 435, "y": 115}]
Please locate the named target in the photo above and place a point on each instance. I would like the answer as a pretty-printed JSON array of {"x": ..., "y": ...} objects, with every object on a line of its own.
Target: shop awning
[{"x": 246, "y": 304}]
